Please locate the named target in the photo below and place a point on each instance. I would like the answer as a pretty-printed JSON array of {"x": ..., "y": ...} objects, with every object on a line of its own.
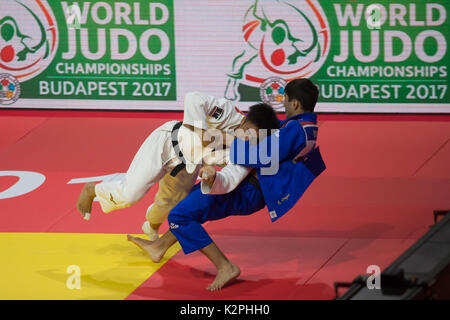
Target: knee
[
  {"x": 164, "y": 201},
  {"x": 175, "y": 217},
  {"x": 178, "y": 217}
]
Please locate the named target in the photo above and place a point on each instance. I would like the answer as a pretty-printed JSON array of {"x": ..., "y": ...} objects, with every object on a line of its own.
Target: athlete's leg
[
  {"x": 171, "y": 191},
  {"x": 145, "y": 169},
  {"x": 185, "y": 225},
  {"x": 155, "y": 249},
  {"x": 226, "y": 271},
  {"x": 87, "y": 195}
]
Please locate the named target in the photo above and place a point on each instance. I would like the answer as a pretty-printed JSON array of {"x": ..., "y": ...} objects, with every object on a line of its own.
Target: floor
[{"x": 385, "y": 176}]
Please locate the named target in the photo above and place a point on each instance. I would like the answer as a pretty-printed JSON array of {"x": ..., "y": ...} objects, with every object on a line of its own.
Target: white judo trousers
[{"x": 153, "y": 161}]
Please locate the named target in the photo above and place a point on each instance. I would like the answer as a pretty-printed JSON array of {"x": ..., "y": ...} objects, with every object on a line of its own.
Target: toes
[
  {"x": 131, "y": 238},
  {"x": 213, "y": 286}
]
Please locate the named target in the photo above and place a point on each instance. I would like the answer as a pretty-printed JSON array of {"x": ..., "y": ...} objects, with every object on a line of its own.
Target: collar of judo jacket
[{"x": 309, "y": 117}]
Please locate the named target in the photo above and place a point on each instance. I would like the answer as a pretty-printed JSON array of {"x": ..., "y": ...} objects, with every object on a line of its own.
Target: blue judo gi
[{"x": 300, "y": 163}]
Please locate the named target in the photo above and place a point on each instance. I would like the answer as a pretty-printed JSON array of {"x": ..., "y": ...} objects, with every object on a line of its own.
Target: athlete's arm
[
  {"x": 203, "y": 111},
  {"x": 223, "y": 181},
  {"x": 281, "y": 146}
]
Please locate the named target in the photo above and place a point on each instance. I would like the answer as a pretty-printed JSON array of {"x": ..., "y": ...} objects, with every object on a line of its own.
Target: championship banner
[{"x": 365, "y": 56}]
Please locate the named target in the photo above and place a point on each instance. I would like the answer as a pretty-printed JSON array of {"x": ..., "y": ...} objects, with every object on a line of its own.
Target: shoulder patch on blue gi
[
  {"x": 311, "y": 131},
  {"x": 174, "y": 226}
]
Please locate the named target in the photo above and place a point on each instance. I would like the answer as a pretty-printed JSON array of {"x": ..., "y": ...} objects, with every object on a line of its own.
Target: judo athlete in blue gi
[{"x": 249, "y": 183}]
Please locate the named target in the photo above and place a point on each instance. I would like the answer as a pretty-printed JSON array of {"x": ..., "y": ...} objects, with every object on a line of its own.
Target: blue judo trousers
[{"x": 187, "y": 217}]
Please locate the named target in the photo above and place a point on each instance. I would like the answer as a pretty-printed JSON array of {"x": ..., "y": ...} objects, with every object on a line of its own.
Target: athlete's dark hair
[
  {"x": 304, "y": 91},
  {"x": 263, "y": 116}
]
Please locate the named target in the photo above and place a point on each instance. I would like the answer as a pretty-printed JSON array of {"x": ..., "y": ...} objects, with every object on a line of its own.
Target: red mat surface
[{"x": 385, "y": 176}]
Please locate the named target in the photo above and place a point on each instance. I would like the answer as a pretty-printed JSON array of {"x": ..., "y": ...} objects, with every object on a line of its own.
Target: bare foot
[
  {"x": 155, "y": 253},
  {"x": 224, "y": 276},
  {"x": 87, "y": 195}
]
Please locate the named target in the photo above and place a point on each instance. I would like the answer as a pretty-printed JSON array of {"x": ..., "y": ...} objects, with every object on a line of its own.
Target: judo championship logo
[
  {"x": 272, "y": 91},
  {"x": 282, "y": 40},
  {"x": 9, "y": 89},
  {"x": 28, "y": 37}
]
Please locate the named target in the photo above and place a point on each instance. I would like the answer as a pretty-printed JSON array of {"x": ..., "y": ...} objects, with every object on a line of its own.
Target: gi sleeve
[
  {"x": 197, "y": 107},
  {"x": 227, "y": 179},
  {"x": 205, "y": 112},
  {"x": 282, "y": 145}
]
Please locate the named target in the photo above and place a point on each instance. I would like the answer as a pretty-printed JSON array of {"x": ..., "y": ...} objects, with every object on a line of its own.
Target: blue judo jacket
[{"x": 293, "y": 148}]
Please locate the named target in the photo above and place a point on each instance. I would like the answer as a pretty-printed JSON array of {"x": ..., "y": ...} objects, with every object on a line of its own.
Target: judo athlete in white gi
[
  {"x": 159, "y": 159},
  {"x": 293, "y": 146}
]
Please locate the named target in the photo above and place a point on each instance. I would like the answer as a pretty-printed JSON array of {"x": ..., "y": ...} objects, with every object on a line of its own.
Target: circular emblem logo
[
  {"x": 291, "y": 39},
  {"x": 272, "y": 91},
  {"x": 9, "y": 89},
  {"x": 28, "y": 37}
]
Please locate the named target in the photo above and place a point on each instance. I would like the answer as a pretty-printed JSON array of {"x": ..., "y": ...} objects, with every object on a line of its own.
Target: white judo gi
[{"x": 157, "y": 157}]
